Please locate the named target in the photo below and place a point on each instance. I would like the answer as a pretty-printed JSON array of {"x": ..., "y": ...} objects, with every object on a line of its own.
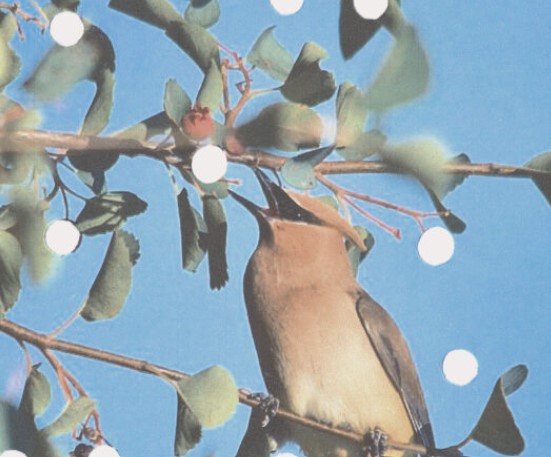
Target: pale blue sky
[{"x": 489, "y": 97}]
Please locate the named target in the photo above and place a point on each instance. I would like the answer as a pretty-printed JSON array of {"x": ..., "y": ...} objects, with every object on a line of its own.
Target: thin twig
[
  {"x": 393, "y": 231},
  {"x": 85, "y": 145},
  {"x": 47, "y": 344}
]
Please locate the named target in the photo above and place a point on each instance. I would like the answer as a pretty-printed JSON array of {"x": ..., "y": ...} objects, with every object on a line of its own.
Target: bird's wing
[{"x": 394, "y": 354}]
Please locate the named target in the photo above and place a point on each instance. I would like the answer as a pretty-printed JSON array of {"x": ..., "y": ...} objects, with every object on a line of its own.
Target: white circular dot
[
  {"x": 104, "y": 451},
  {"x": 209, "y": 164},
  {"x": 460, "y": 367},
  {"x": 287, "y": 7},
  {"x": 66, "y": 28},
  {"x": 436, "y": 246},
  {"x": 62, "y": 237},
  {"x": 371, "y": 9},
  {"x": 13, "y": 453}
]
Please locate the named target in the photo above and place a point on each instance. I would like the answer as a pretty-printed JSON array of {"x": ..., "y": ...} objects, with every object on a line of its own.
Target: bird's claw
[
  {"x": 375, "y": 443},
  {"x": 268, "y": 405}
]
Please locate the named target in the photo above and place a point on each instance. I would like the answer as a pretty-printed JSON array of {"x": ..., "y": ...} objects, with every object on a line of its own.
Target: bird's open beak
[{"x": 280, "y": 205}]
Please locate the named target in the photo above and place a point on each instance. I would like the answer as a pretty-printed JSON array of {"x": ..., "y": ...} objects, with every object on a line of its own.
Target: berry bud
[{"x": 197, "y": 123}]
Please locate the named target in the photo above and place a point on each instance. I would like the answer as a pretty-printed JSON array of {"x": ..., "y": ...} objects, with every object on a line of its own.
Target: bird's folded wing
[{"x": 394, "y": 354}]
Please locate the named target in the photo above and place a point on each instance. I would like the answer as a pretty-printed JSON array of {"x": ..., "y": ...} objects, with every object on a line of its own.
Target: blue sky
[{"x": 489, "y": 97}]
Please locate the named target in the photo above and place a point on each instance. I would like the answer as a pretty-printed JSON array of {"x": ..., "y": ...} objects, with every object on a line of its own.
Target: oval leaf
[
  {"x": 99, "y": 112},
  {"x": 63, "y": 67},
  {"x": 299, "y": 171},
  {"x": 496, "y": 427},
  {"x": 203, "y": 12},
  {"x": 270, "y": 56},
  {"x": 188, "y": 429},
  {"x": 11, "y": 259},
  {"x": 112, "y": 285},
  {"x": 285, "y": 126},
  {"x": 158, "y": 124},
  {"x": 215, "y": 219},
  {"x": 176, "y": 101},
  {"x": 159, "y": 13},
  {"x": 351, "y": 114},
  {"x": 36, "y": 393},
  {"x": 308, "y": 83},
  {"x": 212, "y": 88},
  {"x": 73, "y": 415},
  {"x": 211, "y": 395},
  {"x": 355, "y": 254},
  {"x": 404, "y": 75},
  {"x": 10, "y": 65},
  {"x": 107, "y": 211},
  {"x": 366, "y": 144},
  {"x": 542, "y": 162},
  {"x": 193, "y": 233},
  {"x": 196, "y": 42}
]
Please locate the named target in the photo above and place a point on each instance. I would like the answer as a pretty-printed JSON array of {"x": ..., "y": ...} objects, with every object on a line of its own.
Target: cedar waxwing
[{"x": 327, "y": 350}]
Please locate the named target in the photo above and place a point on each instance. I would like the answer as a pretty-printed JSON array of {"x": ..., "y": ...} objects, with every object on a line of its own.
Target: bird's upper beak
[{"x": 280, "y": 204}]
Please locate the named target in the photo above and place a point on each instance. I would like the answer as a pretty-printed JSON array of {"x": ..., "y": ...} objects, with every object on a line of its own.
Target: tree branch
[
  {"x": 46, "y": 343},
  {"x": 81, "y": 145}
]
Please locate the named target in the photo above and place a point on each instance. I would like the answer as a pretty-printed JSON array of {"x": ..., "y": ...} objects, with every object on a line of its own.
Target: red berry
[{"x": 197, "y": 123}]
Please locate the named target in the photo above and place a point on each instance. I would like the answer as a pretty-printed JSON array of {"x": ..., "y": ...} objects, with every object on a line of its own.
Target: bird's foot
[
  {"x": 375, "y": 443},
  {"x": 268, "y": 405}
]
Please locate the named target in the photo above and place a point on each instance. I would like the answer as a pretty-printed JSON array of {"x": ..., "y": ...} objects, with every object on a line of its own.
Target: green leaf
[
  {"x": 215, "y": 219},
  {"x": 355, "y": 254},
  {"x": 73, "y": 415},
  {"x": 10, "y": 65},
  {"x": 29, "y": 231},
  {"x": 159, "y": 13},
  {"x": 63, "y": 67},
  {"x": 285, "y": 126},
  {"x": 15, "y": 117},
  {"x": 112, "y": 285},
  {"x": 176, "y": 102},
  {"x": 196, "y": 42},
  {"x": 212, "y": 89},
  {"x": 99, "y": 112},
  {"x": 203, "y": 12},
  {"x": 355, "y": 31},
  {"x": 211, "y": 395},
  {"x": 351, "y": 115},
  {"x": 93, "y": 161},
  {"x": 299, "y": 171},
  {"x": 542, "y": 162},
  {"x": 270, "y": 56},
  {"x": 452, "y": 222},
  {"x": 193, "y": 233},
  {"x": 107, "y": 211},
  {"x": 95, "y": 180},
  {"x": 366, "y": 144},
  {"x": 188, "y": 429},
  {"x": 11, "y": 259},
  {"x": 496, "y": 427},
  {"x": 36, "y": 394},
  {"x": 67, "y": 4},
  {"x": 307, "y": 83},
  {"x": 158, "y": 124},
  {"x": 8, "y": 218},
  {"x": 404, "y": 75}
]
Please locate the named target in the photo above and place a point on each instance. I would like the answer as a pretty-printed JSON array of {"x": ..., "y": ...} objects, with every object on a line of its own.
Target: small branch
[
  {"x": 393, "y": 231},
  {"x": 47, "y": 344},
  {"x": 82, "y": 145}
]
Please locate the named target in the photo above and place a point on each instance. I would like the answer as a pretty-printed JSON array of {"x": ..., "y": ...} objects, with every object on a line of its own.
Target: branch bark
[
  {"x": 80, "y": 145},
  {"x": 46, "y": 343}
]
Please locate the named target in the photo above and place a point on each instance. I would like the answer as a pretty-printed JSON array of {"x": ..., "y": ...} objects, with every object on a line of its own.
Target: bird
[{"x": 327, "y": 351}]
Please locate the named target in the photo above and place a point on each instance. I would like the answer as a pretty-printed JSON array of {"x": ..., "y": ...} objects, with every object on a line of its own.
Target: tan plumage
[{"x": 327, "y": 351}]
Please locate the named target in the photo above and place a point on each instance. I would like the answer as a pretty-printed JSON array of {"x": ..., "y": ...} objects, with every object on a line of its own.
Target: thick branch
[
  {"x": 45, "y": 343},
  {"x": 95, "y": 145}
]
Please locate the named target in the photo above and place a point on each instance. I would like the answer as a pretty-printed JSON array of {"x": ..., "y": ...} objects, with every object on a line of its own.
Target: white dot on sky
[
  {"x": 66, "y": 28},
  {"x": 287, "y": 7},
  {"x": 436, "y": 246},
  {"x": 104, "y": 451},
  {"x": 13, "y": 453},
  {"x": 371, "y": 9},
  {"x": 460, "y": 367},
  {"x": 209, "y": 164},
  {"x": 62, "y": 237}
]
